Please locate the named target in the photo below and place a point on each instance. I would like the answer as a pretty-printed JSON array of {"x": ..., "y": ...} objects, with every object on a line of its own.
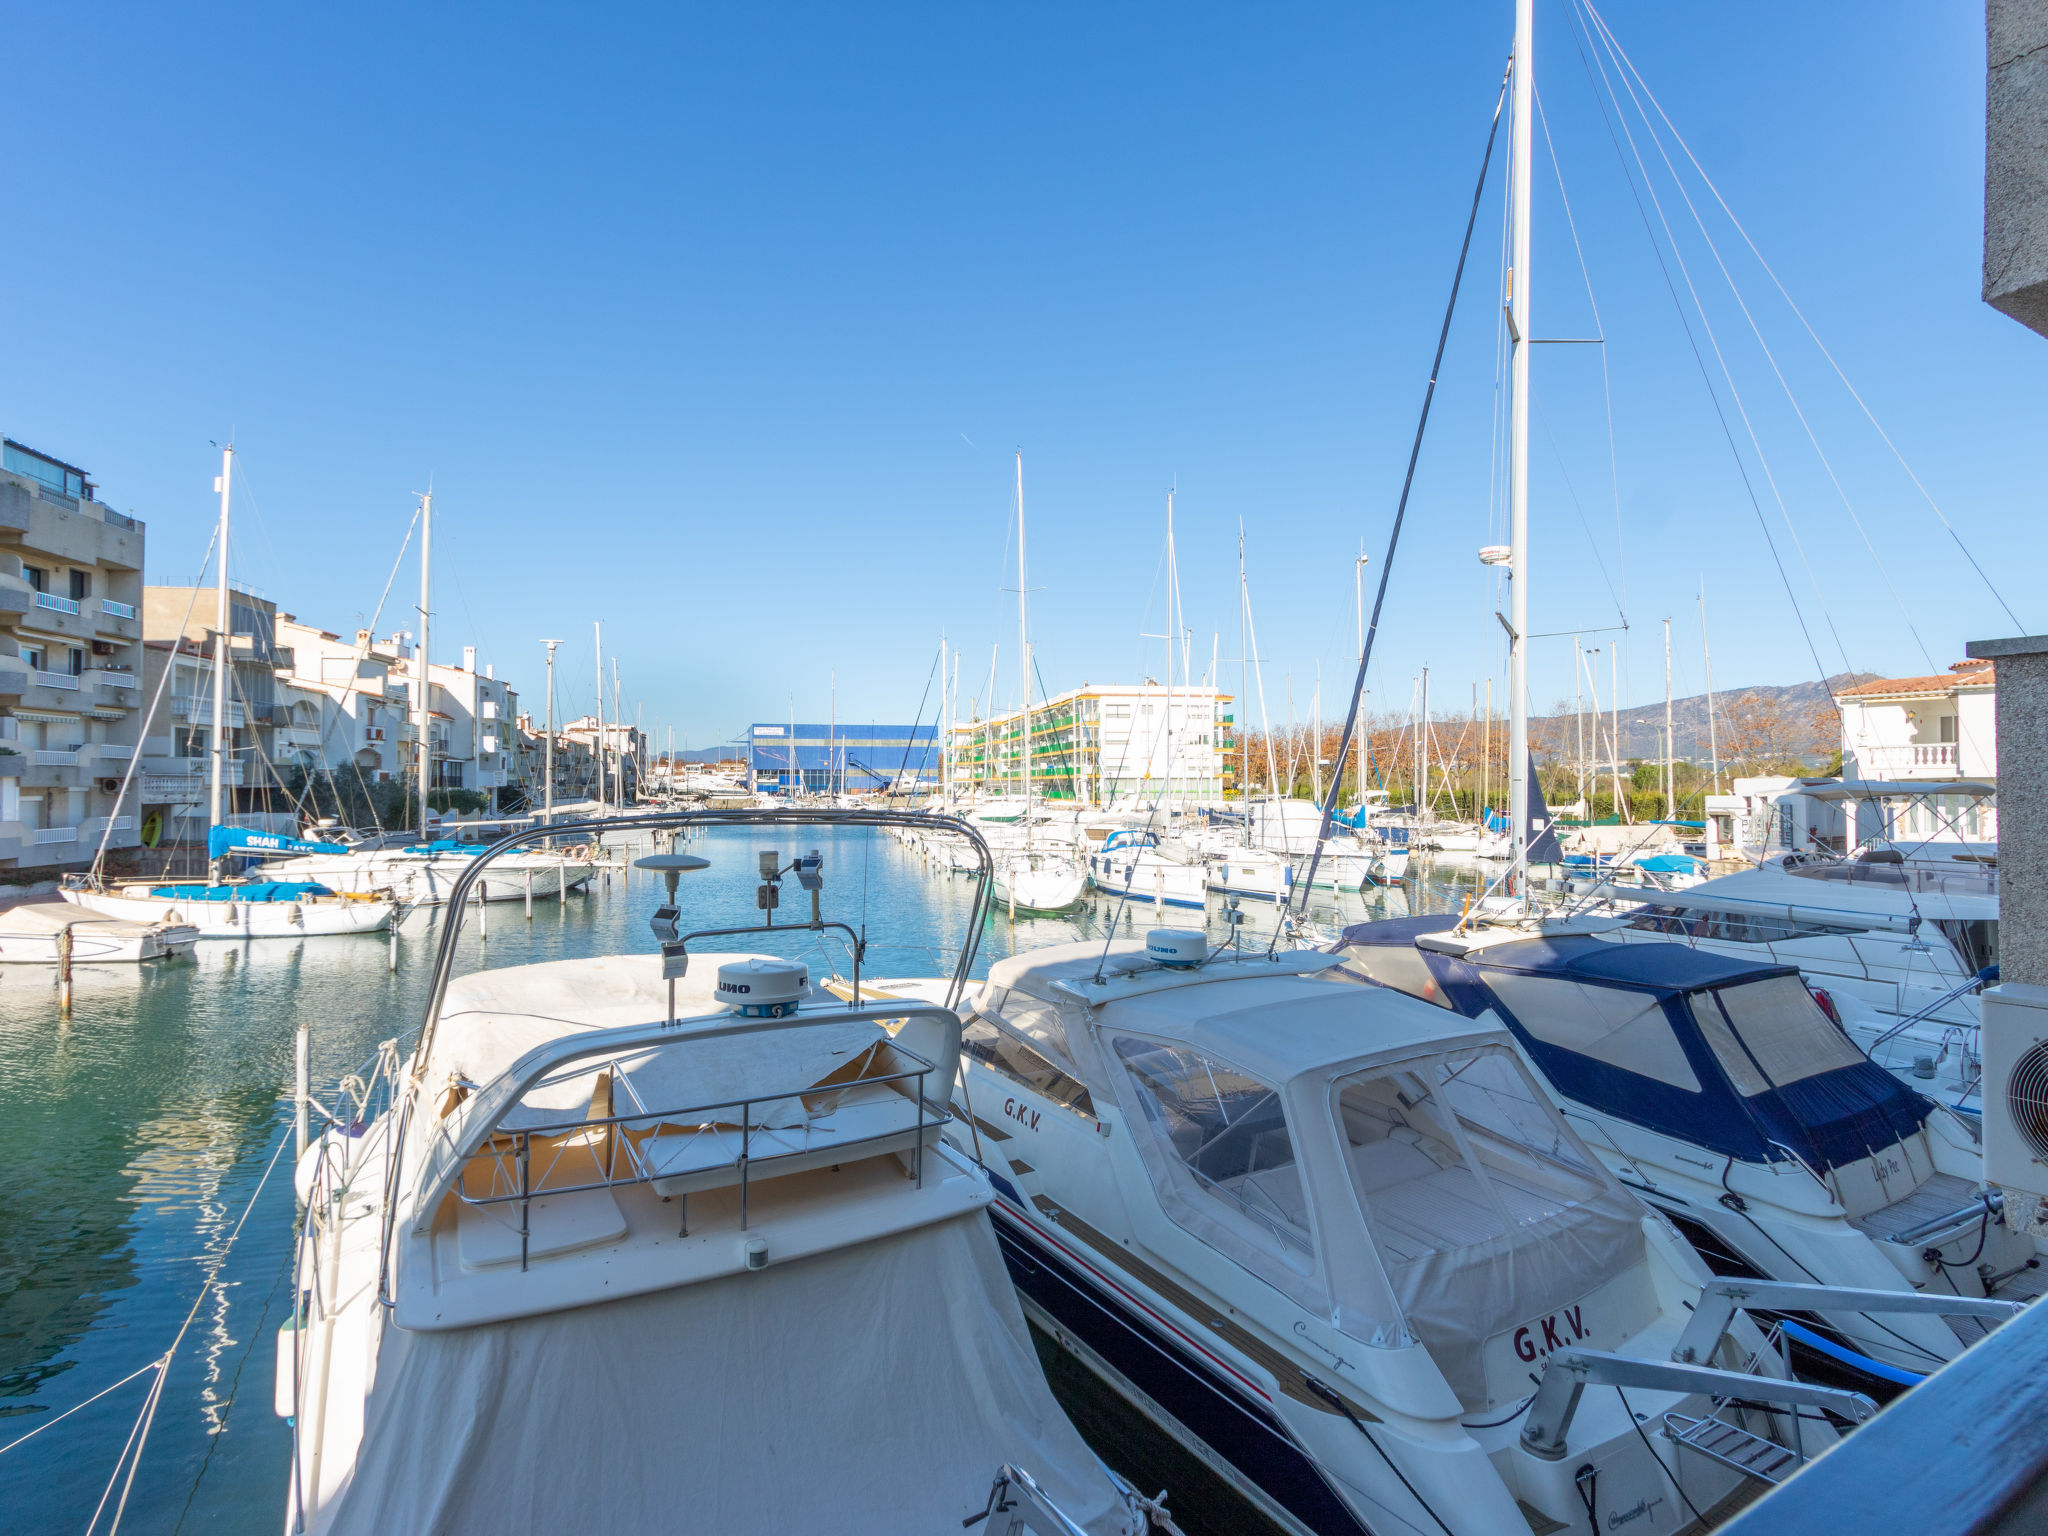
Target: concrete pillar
[
  {"x": 2016, "y": 163},
  {"x": 2022, "y": 805}
]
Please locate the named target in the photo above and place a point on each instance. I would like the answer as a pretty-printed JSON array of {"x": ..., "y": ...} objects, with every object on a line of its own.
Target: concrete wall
[
  {"x": 2016, "y": 160},
  {"x": 2022, "y": 806}
]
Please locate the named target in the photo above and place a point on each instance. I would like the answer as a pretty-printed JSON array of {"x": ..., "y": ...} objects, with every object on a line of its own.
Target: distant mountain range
[{"x": 1642, "y": 728}]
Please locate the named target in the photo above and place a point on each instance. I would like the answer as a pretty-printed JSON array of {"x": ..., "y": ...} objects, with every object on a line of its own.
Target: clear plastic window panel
[
  {"x": 1614, "y": 1025},
  {"x": 1228, "y": 1129},
  {"x": 1451, "y": 1154},
  {"x": 1787, "y": 1035}
]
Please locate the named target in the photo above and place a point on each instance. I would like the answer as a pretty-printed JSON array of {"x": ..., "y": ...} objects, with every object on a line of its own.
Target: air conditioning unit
[
  {"x": 110, "y": 786},
  {"x": 2014, "y": 1050}
]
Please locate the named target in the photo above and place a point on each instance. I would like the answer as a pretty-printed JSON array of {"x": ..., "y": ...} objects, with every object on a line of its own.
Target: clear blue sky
[{"x": 721, "y": 324}]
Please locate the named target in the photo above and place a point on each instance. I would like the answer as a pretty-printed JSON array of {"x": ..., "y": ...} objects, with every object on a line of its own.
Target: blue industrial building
[{"x": 856, "y": 758}]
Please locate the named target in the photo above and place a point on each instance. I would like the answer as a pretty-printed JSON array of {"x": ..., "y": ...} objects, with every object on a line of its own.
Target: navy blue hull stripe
[{"x": 1237, "y": 1429}]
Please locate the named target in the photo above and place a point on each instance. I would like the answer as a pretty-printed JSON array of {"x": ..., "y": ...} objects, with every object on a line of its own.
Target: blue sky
[{"x": 721, "y": 325}]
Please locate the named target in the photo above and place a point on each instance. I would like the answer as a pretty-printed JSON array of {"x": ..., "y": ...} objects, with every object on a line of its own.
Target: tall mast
[
  {"x": 597, "y": 631},
  {"x": 1023, "y": 652},
  {"x": 223, "y": 648},
  {"x": 1521, "y": 162},
  {"x": 1670, "y": 786},
  {"x": 1172, "y": 639},
  {"x": 1244, "y": 654},
  {"x": 1713, "y": 737},
  {"x": 548, "y": 814},
  {"x": 421, "y": 712},
  {"x": 1358, "y": 613}
]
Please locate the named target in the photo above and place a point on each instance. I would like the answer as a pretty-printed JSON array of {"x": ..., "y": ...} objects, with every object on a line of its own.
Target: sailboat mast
[
  {"x": 1172, "y": 638},
  {"x": 1244, "y": 661},
  {"x": 1358, "y": 614},
  {"x": 1713, "y": 737},
  {"x": 597, "y": 633},
  {"x": 548, "y": 794},
  {"x": 421, "y": 711},
  {"x": 1521, "y": 163},
  {"x": 1023, "y": 652},
  {"x": 1670, "y": 748},
  {"x": 223, "y": 648}
]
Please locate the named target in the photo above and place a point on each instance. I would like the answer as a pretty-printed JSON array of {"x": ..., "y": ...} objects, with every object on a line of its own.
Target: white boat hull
[
  {"x": 319, "y": 916},
  {"x": 426, "y": 879},
  {"x": 1049, "y": 887}
]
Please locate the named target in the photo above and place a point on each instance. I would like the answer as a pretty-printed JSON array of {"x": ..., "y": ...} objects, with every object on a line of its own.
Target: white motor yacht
[
  {"x": 422, "y": 874},
  {"x": 1336, "y": 1241},
  {"x": 1042, "y": 879},
  {"x": 617, "y": 1249},
  {"x": 1137, "y": 864},
  {"x": 247, "y": 909},
  {"x": 1912, "y": 941},
  {"x": 1720, "y": 1092},
  {"x": 29, "y": 935}
]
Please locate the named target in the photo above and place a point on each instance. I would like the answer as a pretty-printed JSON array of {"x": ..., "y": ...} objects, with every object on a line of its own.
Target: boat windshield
[
  {"x": 1484, "y": 1207},
  {"x": 1769, "y": 1033},
  {"x": 1458, "y": 1151},
  {"x": 1229, "y": 1133}
]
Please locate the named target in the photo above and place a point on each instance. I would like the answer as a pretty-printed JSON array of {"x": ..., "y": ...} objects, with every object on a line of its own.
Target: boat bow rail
[
  {"x": 483, "y": 1114},
  {"x": 619, "y": 1159}
]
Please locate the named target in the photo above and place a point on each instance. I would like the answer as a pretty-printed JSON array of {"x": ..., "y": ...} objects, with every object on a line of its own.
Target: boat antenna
[{"x": 1401, "y": 512}]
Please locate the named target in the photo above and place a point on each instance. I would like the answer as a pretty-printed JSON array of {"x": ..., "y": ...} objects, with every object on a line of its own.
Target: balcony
[
  {"x": 1924, "y": 760},
  {"x": 44, "y": 836},
  {"x": 189, "y": 706},
  {"x": 56, "y": 604},
  {"x": 98, "y": 824},
  {"x": 114, "y": 610},
  {"x": 112, "y": 752},
  {"x": 112, "y": 677},
  {"x": 64, "y": 681},
  {"x": 162, "y": 781},
  {"x": 54, "y": 757}
]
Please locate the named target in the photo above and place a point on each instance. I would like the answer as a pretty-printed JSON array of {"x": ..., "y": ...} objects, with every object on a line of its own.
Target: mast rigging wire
[
  {"x": 1401, "y": 508},
  {"x": 1805, "y": 324},
  {"x": 1713, "y": 396}
]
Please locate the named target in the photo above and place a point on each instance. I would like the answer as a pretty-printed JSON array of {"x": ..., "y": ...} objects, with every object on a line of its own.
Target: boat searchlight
[{"x": 671, "y": 867}]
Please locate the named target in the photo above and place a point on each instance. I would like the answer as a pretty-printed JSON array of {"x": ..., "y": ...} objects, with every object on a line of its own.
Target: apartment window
[
  {"x": 37, "y": 578},
  {"x": 58, "y": 477},
  {"x": 188, "y": 741},
  {"x": 81, "y": 586},
  {"x": 33, "y": 655},
  {"x": 77, "y": 661},
  {"x": 1948, "y": 728}
]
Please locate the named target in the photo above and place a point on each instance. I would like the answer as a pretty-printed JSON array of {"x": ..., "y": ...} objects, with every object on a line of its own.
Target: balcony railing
[
  {"x": 114, "y": 610},
  {"x": 56, "y": 604},
  {"x": 54, "y": 757},
  {"x": 192, "y": 706},
  {"x": 112, "y": 752},
  {"x": 62, "y": 680},
  {"x": 111, "y": 677},
  {"x": 1933, "y": 759},
  {"x": 46, "y": 835}
]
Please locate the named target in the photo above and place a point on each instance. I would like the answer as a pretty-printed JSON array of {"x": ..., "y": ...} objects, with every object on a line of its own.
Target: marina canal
[{"x": 148, "y": 1135}]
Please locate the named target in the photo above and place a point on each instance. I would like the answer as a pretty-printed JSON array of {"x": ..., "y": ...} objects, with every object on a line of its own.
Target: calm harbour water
[{"x": 145, "y": 1143}]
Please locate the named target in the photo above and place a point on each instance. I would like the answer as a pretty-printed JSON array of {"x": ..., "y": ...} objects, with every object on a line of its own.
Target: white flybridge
[
  {"x": 631, "y": 1244},
  {"x": 1033, "y": 876}
]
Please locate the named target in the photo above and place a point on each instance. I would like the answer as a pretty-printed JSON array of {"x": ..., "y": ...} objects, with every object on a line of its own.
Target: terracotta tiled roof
[{"x": 1962, "y": 675}]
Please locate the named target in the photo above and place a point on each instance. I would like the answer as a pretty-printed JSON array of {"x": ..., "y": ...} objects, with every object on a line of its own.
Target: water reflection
[{"x": 135, "y": 1132}]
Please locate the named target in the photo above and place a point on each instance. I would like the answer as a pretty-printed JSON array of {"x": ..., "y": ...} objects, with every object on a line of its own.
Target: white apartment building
[
  {"x": 475, "y": 716},
  {"x": 1938, "y": 727},
  {"x": 362, "y": 688},
  {"x": 1101, "y": 743},
  {"x": 70, "y": 643}
]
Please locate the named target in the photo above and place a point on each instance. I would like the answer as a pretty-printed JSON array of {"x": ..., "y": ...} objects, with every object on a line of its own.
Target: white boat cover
[{"x": 875, "y": 1388}]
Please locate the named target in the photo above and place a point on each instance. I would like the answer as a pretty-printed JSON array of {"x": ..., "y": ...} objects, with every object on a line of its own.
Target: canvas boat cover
[
  {"x": 260, "y": 890},
  {"x": 875, "y": 1388},
  {"x": 1730, "y": 1055}
]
